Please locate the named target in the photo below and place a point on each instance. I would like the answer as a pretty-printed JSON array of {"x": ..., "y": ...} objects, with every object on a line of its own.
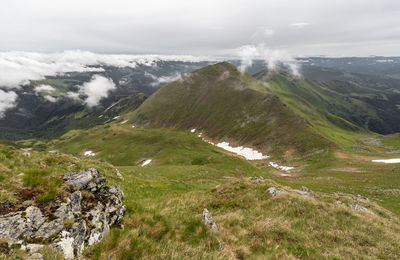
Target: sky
[{"x": 206, "y": 27}]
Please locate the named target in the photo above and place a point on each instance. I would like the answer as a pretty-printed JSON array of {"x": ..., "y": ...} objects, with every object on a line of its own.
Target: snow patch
[
  {"x": 123, "y": 122},
  {"x": 89, "y": 153},
  {"x": 280, "y": 167},
  {"x": 193, "y": 130},
  {"x": 388, "y": 160},
  {"x": 133, "y": 126},
  {"x": 116, "y": 117},
  {"x": 246, "y": 152},
  {"x": 146, "y": 162}
]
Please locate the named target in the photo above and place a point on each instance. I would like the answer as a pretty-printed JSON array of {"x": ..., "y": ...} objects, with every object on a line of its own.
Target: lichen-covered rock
[
  {"x": 12, "y": 228},
  {"x": 49, "y": 229},
  {"x": 358, "y": 207},
  {"x": 34, "y": 217},
  {"x": 74, "y": 223},
  {"x": 89, "y": 179},
  {"x": 273, "y": 191},
  {"x": 208, "y": 220}
]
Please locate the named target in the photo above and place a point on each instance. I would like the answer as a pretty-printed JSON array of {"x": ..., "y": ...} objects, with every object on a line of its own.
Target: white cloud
[
  {"x": 73, "y": 95},
  {"x": 17, "y": 68},
  {"x": 50, "y": 98},
  {"x": 46, "y": 88},
  {"x": 7, "y": 100},
  {"x": 96, "y": 89},
  {"x": 248, "y": 53},
  {"x": 300, "y": 25},
  {"x": 163, "y": 79}
]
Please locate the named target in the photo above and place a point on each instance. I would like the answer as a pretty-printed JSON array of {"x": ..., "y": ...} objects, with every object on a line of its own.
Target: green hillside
[
  {"x": 226, "y": 104},
  {"x": 364, "y": 107}
]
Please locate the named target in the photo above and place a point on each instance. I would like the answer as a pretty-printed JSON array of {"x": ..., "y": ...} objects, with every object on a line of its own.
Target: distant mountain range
[{"x": 364, "y": 92}]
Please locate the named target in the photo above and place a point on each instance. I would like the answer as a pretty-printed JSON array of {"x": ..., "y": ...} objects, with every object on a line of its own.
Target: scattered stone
[
  {"x": 21, "y": 174},
  {"x": 54, "y": 152},
  {"x": 73, "y": 224},
  {"x": 305, "y": 192},
  {"x": 257, "y": 178},
  {"x": 208, "y": 220},
  {"x": 358, "y": 207},
  {"x": 357, "y": 198},
  {"x": 339, "y": 202},
  {"x": 27, "y": 154},
  {"x": 276, "y": 191},
  {"x": 119, "y": 175}
]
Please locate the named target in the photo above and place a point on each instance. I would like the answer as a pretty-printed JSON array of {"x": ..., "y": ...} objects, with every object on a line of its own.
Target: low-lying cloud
[
  {"x": 44, "y": 88},
  {"x": 272, "y": 58},
  {"x": 96, "y": 89},
  {"x": 163, "y": 79},
  {"x": 8, "y": 99},
  {"x": 18, "y": 68}
]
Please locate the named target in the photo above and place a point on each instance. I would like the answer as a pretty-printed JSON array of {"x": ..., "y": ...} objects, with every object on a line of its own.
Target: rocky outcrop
[
  {"x": 83, "y": 218},
  {"x": 273, "y": 191},
  {"x": 208, "y": 220},
  {"x": 358, "y": 207}
]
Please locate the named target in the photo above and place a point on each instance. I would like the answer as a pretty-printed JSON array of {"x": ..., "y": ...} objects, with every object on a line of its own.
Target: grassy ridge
[
  {"x": 339, "y": 102},
  {"x": 226, "y": 104}
]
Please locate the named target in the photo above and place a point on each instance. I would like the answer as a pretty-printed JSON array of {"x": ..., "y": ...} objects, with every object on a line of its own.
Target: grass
[{"x": 165, "y": 199}]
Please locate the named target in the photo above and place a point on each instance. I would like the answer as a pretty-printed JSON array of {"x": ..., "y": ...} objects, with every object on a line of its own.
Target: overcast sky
[{"x": 205, "y": 27}]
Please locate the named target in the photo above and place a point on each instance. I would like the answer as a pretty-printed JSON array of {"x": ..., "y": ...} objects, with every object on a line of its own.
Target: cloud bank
[
  {"x": 7, "y": 100},
  {"x": 96, "y": 89},
  {"x": 272, "y": 58},
  {"x": 18, "y": 68}
]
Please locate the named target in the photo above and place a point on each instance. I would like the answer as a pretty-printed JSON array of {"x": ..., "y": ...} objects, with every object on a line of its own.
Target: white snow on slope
[
  {"x": 89, "y": 153},
  {"x": 246, "y": 152},
  {"x": 193, "y": 130},
  {"x": 388, "y": 160},
  {"x": 280, "y": 167},
  {"x": 146, "y": 162}
]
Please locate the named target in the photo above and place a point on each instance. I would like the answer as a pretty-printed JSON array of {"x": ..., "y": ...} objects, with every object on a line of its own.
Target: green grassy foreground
[{"x": 165, "y": 199}]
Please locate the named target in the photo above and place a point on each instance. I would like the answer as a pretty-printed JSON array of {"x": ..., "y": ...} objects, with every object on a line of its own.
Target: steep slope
[
  {"x": 225, "y": 104},
  {"x": 374, "y": 110}
]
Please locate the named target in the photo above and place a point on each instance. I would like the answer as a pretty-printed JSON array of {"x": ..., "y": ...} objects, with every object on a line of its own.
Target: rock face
[{"x": 75, "y": 223}]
